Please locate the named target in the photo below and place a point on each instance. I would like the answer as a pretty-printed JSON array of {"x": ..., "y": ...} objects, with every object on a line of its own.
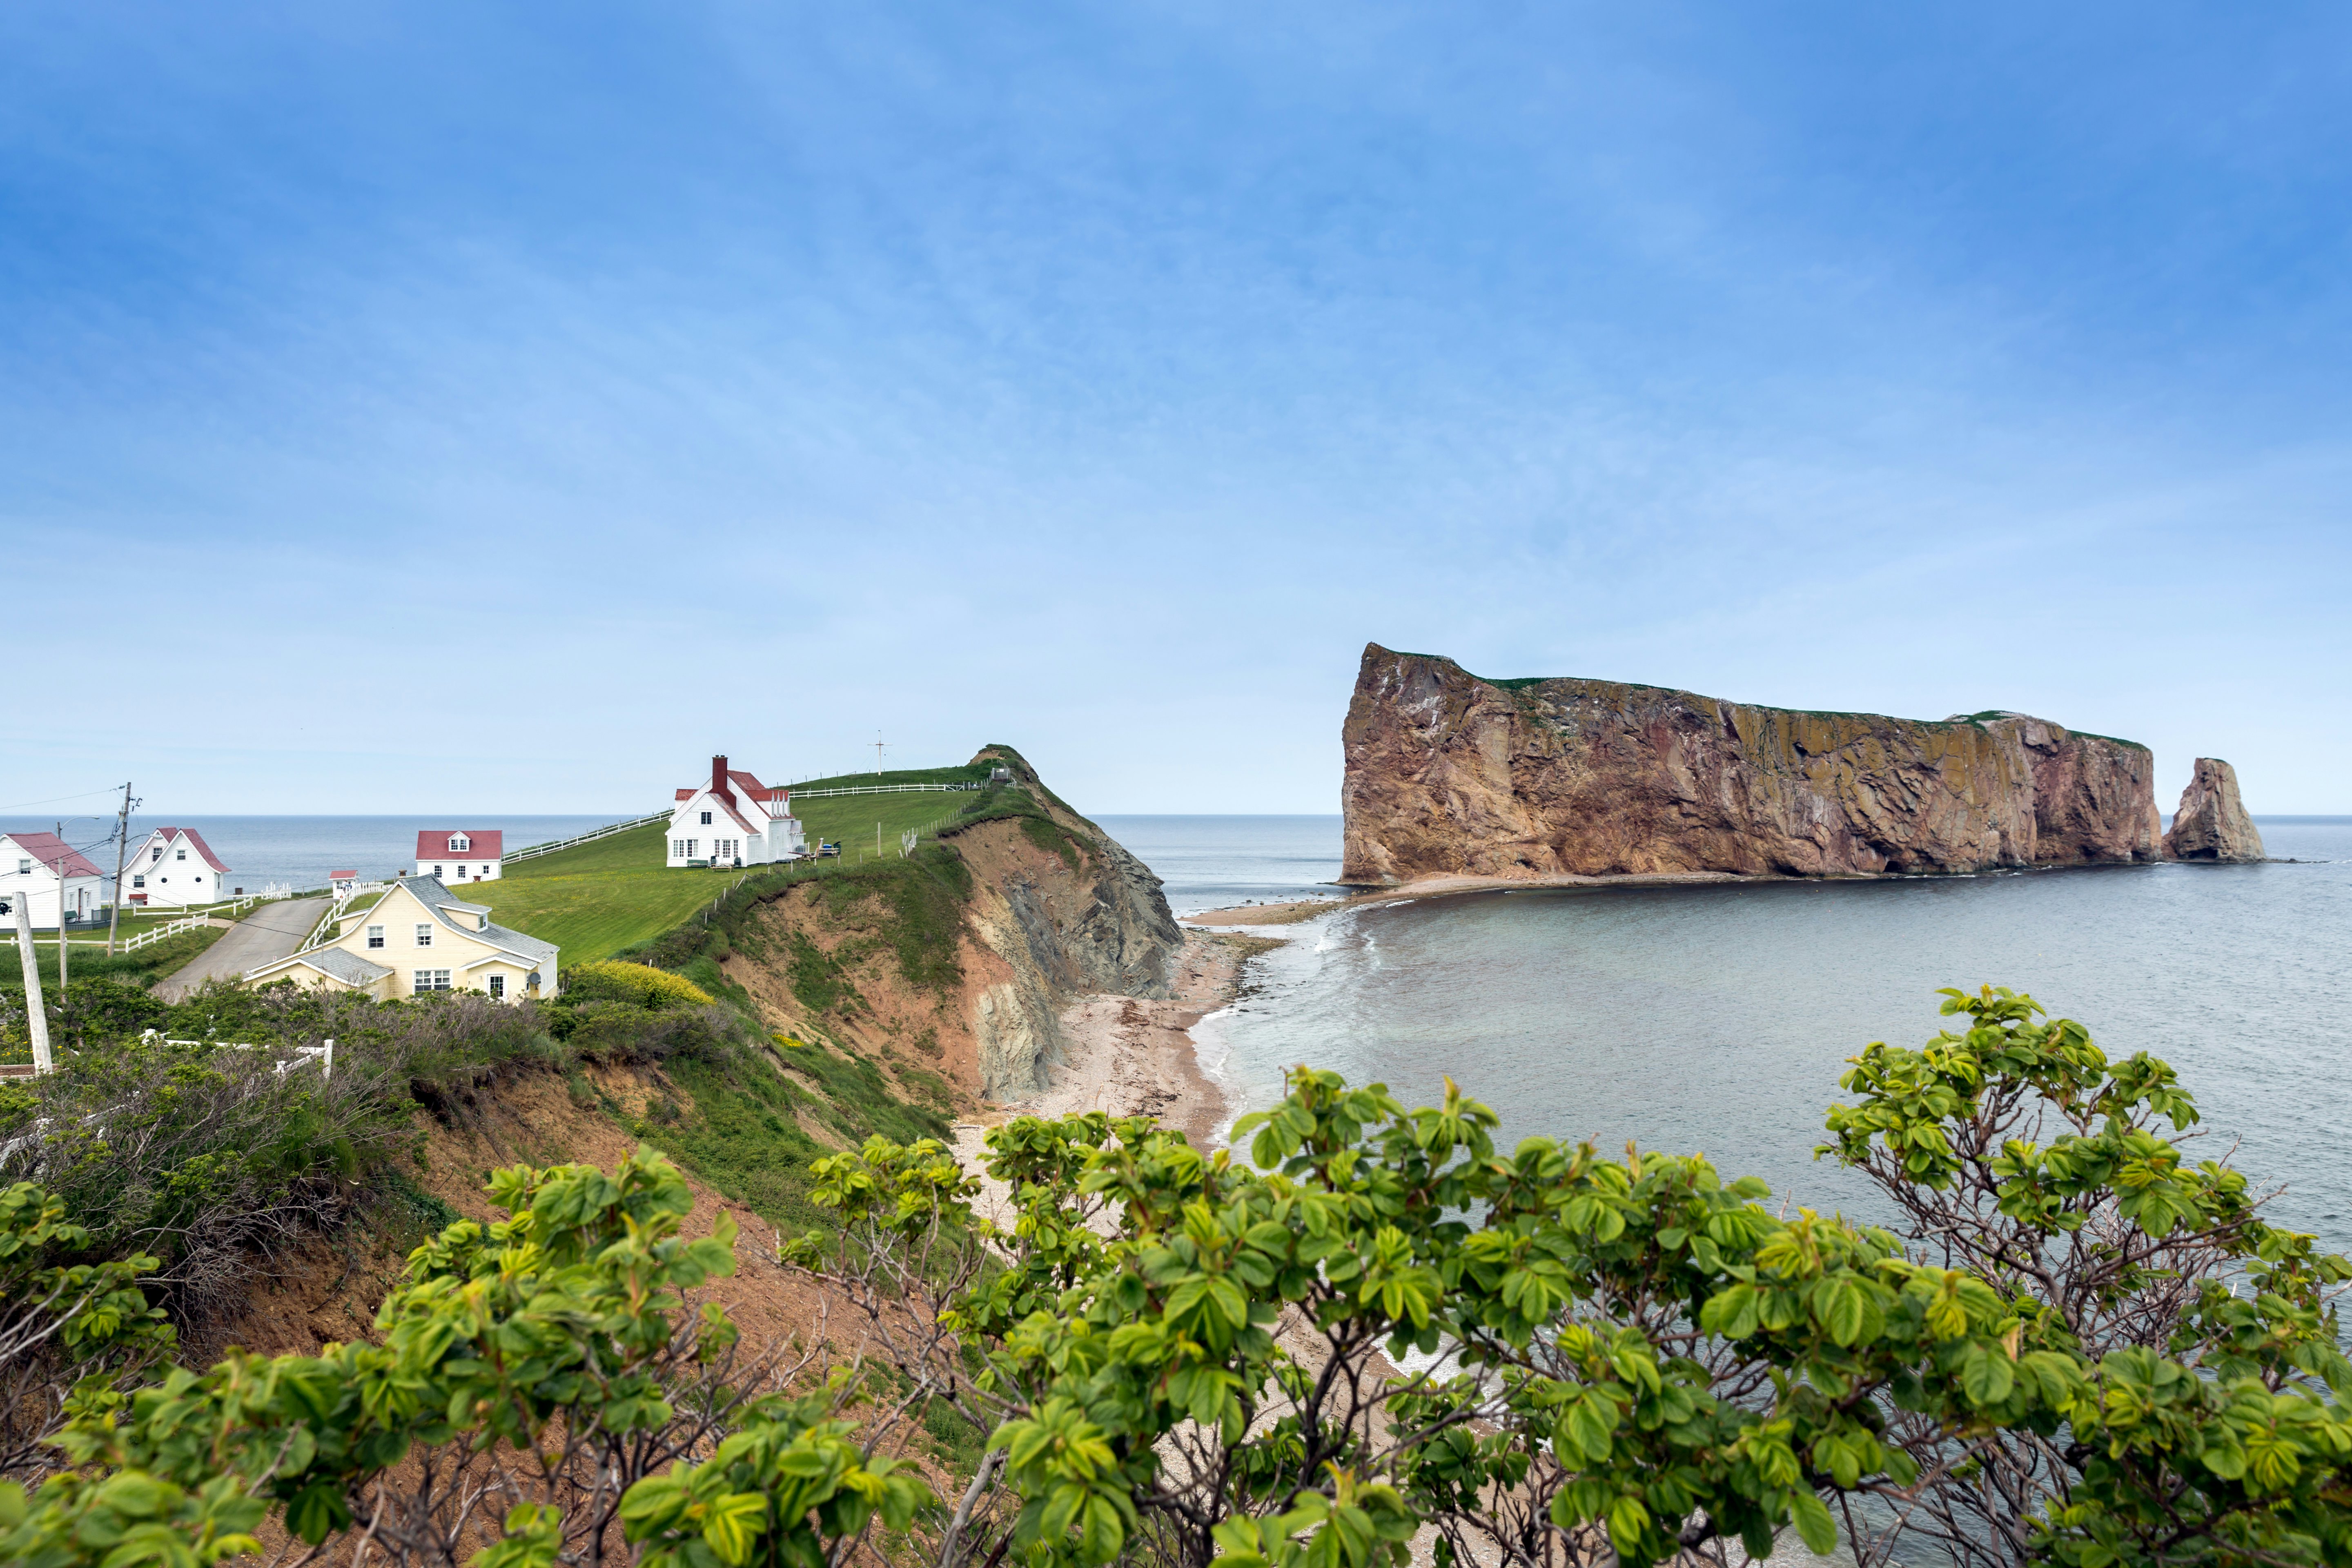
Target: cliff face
[
  {"x": 2212, "y": 824},
  {"x": 1450, "y": 774},
  {"x": 1023, "y": 914}
]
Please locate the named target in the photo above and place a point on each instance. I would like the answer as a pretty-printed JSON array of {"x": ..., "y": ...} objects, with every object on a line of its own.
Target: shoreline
[
  {"x": 1135, "y": 1056},
  {"x": 1297, "y": 910}
]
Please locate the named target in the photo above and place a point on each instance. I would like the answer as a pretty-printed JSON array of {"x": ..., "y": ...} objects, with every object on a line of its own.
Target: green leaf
[
  {"x": 1813, "y": 1523},
  {"x": 1986, "y": 1374}
]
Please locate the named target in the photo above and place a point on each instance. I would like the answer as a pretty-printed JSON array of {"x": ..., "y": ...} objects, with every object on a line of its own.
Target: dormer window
[
  {"x": 481, "y": 922},
  {"x": 460, "y": 844}
]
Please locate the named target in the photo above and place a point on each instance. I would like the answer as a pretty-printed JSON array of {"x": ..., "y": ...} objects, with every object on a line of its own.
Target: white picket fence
[
  {"x": 168, "y": 928},
  {"x": 534, "y": 851},
  {"x": 882, "y": 789}
]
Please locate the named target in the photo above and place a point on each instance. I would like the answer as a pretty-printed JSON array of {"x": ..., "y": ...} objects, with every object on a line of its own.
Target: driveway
[{"x": 273, "y": 931}]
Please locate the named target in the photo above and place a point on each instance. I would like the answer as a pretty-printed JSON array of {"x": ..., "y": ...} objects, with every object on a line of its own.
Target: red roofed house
[
  {"x": 733, "y": 819},
  {"x": 461, "y": 854},
  {"x": 174, "y": 867},
  {"x": 43, "y": 869}
]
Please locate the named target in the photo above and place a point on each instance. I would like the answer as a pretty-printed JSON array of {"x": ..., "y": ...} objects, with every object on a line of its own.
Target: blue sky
[{"x": 486, "y": 406}]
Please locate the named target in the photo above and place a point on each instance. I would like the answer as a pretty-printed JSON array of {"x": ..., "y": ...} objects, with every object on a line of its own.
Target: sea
[
  {"x": 1715, "y": 1018},
  {"x": 303, "y": 851},
  {"x": 1719, "y": 1018}
]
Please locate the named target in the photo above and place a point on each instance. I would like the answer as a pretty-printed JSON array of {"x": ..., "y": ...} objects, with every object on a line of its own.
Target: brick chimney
[{"x": 718, "y": 779}]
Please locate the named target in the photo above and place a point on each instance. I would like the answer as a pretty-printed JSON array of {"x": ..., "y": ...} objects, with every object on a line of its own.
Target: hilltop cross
[{"x": 877, "y": 753}]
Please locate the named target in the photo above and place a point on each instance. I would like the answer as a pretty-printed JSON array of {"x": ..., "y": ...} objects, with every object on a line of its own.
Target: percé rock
[
  {"x": 2212, "y": 824},
  {"x": 1450, "y": 774}
]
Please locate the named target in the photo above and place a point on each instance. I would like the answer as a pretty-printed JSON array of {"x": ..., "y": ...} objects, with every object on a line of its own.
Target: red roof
[
  {"x": 753, "y": 787},
  {"x": 489, "y": 844},
  {"x": 684, "y": 794},
  {"x": 53, "y": 852},
  {"x": 197, "y": 839},
  {"x": 338, "y": 876}
]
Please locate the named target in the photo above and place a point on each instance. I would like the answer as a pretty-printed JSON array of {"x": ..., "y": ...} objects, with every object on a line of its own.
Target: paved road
[{"x": 272, "y": 930}]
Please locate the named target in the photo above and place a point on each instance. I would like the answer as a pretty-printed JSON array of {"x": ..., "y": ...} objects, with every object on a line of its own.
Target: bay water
[{"x": 1718, "y": 1018}]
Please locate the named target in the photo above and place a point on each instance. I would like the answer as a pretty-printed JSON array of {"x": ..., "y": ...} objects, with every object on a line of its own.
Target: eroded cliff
[
  {"x": 960, "y": 961},
  {"x": 1451, "y": 774},
  {"x": 2212, "y": 824}
]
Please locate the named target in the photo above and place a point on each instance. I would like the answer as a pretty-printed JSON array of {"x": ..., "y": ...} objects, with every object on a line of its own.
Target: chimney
[{"x": 718, "y": 777}]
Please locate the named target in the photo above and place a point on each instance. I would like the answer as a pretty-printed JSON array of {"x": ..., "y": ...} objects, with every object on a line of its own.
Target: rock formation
[
  {"x": 1450, "y": 774},
  {"x": 2212, "y": 824}
]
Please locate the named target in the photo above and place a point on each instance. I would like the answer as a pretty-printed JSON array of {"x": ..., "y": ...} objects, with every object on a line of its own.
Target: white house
[
  {"x": 461, "y": 855},
  {"x": 174, "y": 867},
  {"x": 420, "y": 938},
  {"x": 733, "y": 819},
  {"x": 44, "y": 870}
]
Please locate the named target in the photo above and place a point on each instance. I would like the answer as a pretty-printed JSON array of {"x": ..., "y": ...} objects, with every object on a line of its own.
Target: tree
[
  {"x": 1554, "y": 1358},
  {"x": 544, "y": 1393}
]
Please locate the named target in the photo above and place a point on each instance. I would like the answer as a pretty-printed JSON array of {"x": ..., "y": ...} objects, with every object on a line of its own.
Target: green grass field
[{"x": 606, "y": 898}]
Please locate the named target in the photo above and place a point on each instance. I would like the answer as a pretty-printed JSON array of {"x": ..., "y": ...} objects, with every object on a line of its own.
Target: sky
[{"x": 498, "y": 407}]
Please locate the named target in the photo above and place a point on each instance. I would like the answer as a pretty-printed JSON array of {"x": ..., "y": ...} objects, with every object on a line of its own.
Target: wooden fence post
[{"x": 36, "y": 1016}]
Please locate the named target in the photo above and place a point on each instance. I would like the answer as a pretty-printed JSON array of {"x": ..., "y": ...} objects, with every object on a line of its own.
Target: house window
[
  {"x": 458, "y": 845},
  {"x": 689, "y": 848},
  {"x": 24, "y": 867},
  {"x": 138, "y": 881},
  {"x": 705, "y": 819},
  {"x": 425, "y": 936},
  {"x": 678, "y": 849},
  {"x": 481, "y": 922},
  {"x": 375, "y": 936},
  {"x": 498, "y": 987},
  {"x": 431, "y": 980},
  {"x": 159, "y": 854},
  {"x": 437, "y": 870},
  {"x": 179, "y": 855}
]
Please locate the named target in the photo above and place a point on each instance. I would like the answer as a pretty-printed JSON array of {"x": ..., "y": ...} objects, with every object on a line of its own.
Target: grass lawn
[
  {"x": 604, "y": 897},
  {"x": 146, "y": 966}
]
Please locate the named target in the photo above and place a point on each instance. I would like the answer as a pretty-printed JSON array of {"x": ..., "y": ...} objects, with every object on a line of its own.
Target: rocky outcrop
[
  {"x": 2212, "y": 824},
  {"x": 1038, "y": 907},
  {"x": 1450, "y": 774}
]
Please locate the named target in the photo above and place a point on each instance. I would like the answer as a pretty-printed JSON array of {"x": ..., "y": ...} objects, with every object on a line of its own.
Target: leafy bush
[
  {"x": 624, "y": 1032},
  {"x": 550, "y": 1368},
  {"x": 1621, "y": 1360}
]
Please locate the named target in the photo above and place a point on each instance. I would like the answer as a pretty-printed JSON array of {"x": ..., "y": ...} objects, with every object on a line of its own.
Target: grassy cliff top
[
  {"x": 1523, "y": 682},
  {"x": 597, "y": 900}
]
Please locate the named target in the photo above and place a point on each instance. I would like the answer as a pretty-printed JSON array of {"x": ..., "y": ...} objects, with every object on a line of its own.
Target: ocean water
[
  {"x": 303, "y": 850},
  {"x": 1215, "y": 862},
  {"x": 1719, "y": 1018}
]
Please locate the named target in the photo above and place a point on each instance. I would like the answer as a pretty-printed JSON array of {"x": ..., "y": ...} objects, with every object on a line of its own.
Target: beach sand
[{"x": 1131, "y": 1056}]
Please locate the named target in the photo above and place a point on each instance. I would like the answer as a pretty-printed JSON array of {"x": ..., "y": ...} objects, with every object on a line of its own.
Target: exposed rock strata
[
  {"x": 1036, "y": 929},
  {"x": 2212, "y": 824},
  {"x": 1450, "y": 774}
]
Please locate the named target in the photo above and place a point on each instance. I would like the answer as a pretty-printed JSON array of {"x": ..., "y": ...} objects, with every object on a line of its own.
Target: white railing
[
  {"x": 536, "y": 850},
  {"x": 882, "y": 789},
  {"x": 344, "y": 897},
  {"x": 169, "y": 927}
]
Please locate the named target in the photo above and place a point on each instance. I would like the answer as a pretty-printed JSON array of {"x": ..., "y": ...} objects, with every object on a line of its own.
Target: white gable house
[
  {"x": 175, "y": 866},
  {"x": 461, "y": 855},
  {"x": 733, "y": 819},
  {"x": 47, "y": 874}
]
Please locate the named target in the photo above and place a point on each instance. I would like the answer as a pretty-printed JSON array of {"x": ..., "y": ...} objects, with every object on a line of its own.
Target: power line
[{"x": 54, "y": 798}]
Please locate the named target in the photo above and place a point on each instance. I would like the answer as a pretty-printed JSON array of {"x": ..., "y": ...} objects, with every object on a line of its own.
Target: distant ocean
[
  {"x": 304, "y": 850},
  {"x": 1719, "y": 1018}
]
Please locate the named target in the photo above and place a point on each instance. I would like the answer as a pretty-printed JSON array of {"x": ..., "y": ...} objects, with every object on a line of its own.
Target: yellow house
[{"x": 420, "y": 938}]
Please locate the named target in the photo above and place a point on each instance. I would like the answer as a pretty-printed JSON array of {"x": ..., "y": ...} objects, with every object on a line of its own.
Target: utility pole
[
  {"x": 36, "y": 1017},
  {"x": 877, "y": 753},
  {"x": 122, "y": 847},
  {"x": 61, "y": 912}
]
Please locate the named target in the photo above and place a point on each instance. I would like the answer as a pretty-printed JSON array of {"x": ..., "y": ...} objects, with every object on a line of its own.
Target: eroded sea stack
[
  {"x": 2212, "y": 824},
  {"x": 1450, "y": 774}
]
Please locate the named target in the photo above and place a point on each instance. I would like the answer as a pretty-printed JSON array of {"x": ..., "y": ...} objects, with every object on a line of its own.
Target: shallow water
[{"x": 1719, "y": 1017}]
